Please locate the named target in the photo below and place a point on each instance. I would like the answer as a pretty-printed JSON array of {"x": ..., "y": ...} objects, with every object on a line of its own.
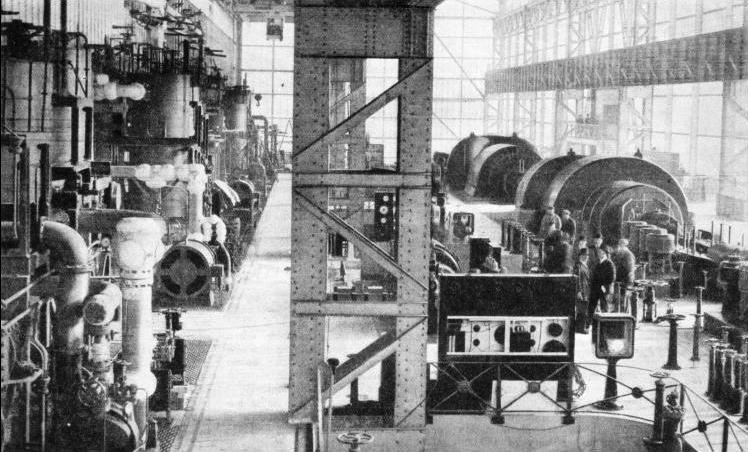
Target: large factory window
[
  {"x": 463, "y": 38},
  {"x": 268, "y": 68}
]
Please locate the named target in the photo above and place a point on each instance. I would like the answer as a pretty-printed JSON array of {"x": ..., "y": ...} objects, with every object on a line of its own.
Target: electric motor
[{"x": 185, "y": 271}]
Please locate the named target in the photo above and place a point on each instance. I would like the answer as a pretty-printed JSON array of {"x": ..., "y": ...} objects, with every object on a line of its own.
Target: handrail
[
  {"x": 26, "y": 289},
  {"x": 731, "y": 432}
]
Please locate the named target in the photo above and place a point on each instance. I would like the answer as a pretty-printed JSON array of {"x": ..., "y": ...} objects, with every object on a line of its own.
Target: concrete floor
[
  {"x": 240, "y": 403},
  {"x": 241, "y": 400}
]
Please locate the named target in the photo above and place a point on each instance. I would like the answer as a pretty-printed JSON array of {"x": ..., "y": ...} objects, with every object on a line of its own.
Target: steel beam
[
  {"x": 356, "y": 309},
  {"x": 701, "y": 58},
  {"x": 351, "y": 32},
  {"x": 362, "y": 179}
]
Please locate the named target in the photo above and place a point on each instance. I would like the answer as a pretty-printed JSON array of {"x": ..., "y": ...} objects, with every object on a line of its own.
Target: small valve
[{"x": 354, "y": 440}]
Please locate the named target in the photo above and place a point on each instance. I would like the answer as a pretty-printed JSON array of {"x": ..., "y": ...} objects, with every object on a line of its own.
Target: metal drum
[
  {"x": 184, "y": 273},
  {"x": 634, "y": 237},
  {"x": 628, "y": 228},
  {"x": 642, "y": 238},
  {"x": 660, "y": 243}
]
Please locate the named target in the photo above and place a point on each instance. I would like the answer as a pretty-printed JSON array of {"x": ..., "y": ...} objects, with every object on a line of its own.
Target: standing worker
[
  {"x": 484, "y": 259},
  {"x": 549, "y": 223},
  {"x": 596, "y": 243},
  {"x": 581, "y": 244},
  {"x": 601, "y": 282},
  {"x": 625, "y": 263},
  {"x": 582, "y": 273},
  {"x": 568, "y": 225},
  {"x": 558, "y": 259}
]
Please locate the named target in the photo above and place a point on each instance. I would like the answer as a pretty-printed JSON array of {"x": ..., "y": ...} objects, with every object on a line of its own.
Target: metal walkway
[{"x": 241, "y": 399}]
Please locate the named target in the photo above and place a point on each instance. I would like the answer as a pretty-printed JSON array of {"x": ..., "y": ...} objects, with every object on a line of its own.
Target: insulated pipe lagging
[
  {"x": 69, "y": 255},
  {"x": 137, "y": 246}
]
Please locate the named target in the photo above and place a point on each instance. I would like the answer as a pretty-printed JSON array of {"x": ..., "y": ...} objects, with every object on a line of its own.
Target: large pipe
[
  {"x": 70, "y": 253},
  {"x": 136, "y": 248},
  {"x": 102, "y": 302}
]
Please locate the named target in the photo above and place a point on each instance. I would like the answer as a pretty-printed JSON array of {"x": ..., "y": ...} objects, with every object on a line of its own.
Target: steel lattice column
[{"x": 324, "y": 36}]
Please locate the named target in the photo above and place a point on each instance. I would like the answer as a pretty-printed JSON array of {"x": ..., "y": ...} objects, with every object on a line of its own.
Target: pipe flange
[{"x": 135, "y": 284}]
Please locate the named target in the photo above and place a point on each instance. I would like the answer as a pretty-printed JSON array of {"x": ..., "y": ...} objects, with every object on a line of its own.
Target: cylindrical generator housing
[{"x": 185, "y": 273}]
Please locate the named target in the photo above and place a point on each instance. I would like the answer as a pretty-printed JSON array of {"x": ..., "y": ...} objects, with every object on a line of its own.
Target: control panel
[{"x": 496, "y": 335}]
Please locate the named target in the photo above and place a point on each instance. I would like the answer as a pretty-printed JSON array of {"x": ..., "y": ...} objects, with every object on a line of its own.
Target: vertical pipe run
[
  {"x": 44, "y": 175},
  {"x": 62, "y": 57},
  {"x": 136, "y": 248},
  {"x": 186, "y": 56},
  {"x": 74, "y": 138},
  {"x": 88, "y": 137},
  {"x": 47, "y": 24}
]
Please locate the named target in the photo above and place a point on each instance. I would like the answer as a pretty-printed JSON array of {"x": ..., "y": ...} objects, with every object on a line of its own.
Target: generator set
[{"x": 617, "y": 197}]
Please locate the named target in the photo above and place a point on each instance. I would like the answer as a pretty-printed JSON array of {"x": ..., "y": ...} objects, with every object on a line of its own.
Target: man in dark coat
[
  {"x": 559, "y": 256},
  {"x": 601, "y": 282},
  {"x": 593, "y": 245},
  {"x": 568, "y": 225},
  {"x": 582, "y": 273},
  {"x": 625, "y": 263}
]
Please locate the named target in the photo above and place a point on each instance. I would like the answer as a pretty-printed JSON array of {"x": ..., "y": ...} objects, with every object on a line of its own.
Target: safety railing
[{"x": 500, "y": 390}]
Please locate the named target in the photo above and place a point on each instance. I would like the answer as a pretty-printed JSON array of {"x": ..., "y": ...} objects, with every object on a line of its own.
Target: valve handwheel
[{"x": 355, "y": 439}]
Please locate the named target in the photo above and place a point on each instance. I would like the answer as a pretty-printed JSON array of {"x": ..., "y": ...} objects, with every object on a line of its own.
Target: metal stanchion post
[
  {"x": 736, "y": 389},
  {"x": 672, "y": 352},
  {"x": 713, "y": 344},
  {"x": 729, "y": 358},
  {"x": 719, "y": 362},
  {"x": 696, "y": 337},
  {"x": 681, "y": 264},
  {"x": 611, "y": 389},
  {"x": 744, "y": 390},
  {"x": 706, "y": 278},
  {"x": 697, "y": 325},
  {"x": 659, "y": 405},
  {"x": 635, "y": 291},
  {"x": 497, "y": 417}
]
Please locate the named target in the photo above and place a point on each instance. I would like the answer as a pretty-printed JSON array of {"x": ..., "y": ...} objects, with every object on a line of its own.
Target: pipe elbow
[
  {"x": 67, "y": 246},
  {"x": 102, "y": 302}
]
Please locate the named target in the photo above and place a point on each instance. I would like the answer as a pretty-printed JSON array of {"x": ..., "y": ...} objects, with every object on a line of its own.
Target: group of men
[{"x": 596, "y": 266}]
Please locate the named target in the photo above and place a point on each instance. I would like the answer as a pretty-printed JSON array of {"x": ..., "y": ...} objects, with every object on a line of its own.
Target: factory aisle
[{"x": 241, "y": 399}]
